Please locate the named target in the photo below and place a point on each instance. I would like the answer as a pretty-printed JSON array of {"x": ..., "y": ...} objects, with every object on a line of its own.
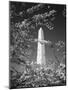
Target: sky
[{"x": 59, "y": 31}]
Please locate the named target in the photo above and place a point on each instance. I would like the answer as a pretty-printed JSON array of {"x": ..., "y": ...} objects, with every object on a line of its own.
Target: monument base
[{"x": 36, "y": 66}]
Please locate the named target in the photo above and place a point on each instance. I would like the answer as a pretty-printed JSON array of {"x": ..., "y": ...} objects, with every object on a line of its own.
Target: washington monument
[{"x": 41, "y": 43}]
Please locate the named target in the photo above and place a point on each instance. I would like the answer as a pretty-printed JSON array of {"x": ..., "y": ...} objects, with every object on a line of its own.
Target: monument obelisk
[{"x": 41, "y": 59}]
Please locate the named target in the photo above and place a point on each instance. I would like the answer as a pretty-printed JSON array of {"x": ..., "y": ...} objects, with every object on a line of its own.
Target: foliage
[{"x": 39, "y": 78}]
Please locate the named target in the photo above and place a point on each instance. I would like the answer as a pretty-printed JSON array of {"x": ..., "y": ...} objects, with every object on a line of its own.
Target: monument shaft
[{"x": 41, "y": 59}]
